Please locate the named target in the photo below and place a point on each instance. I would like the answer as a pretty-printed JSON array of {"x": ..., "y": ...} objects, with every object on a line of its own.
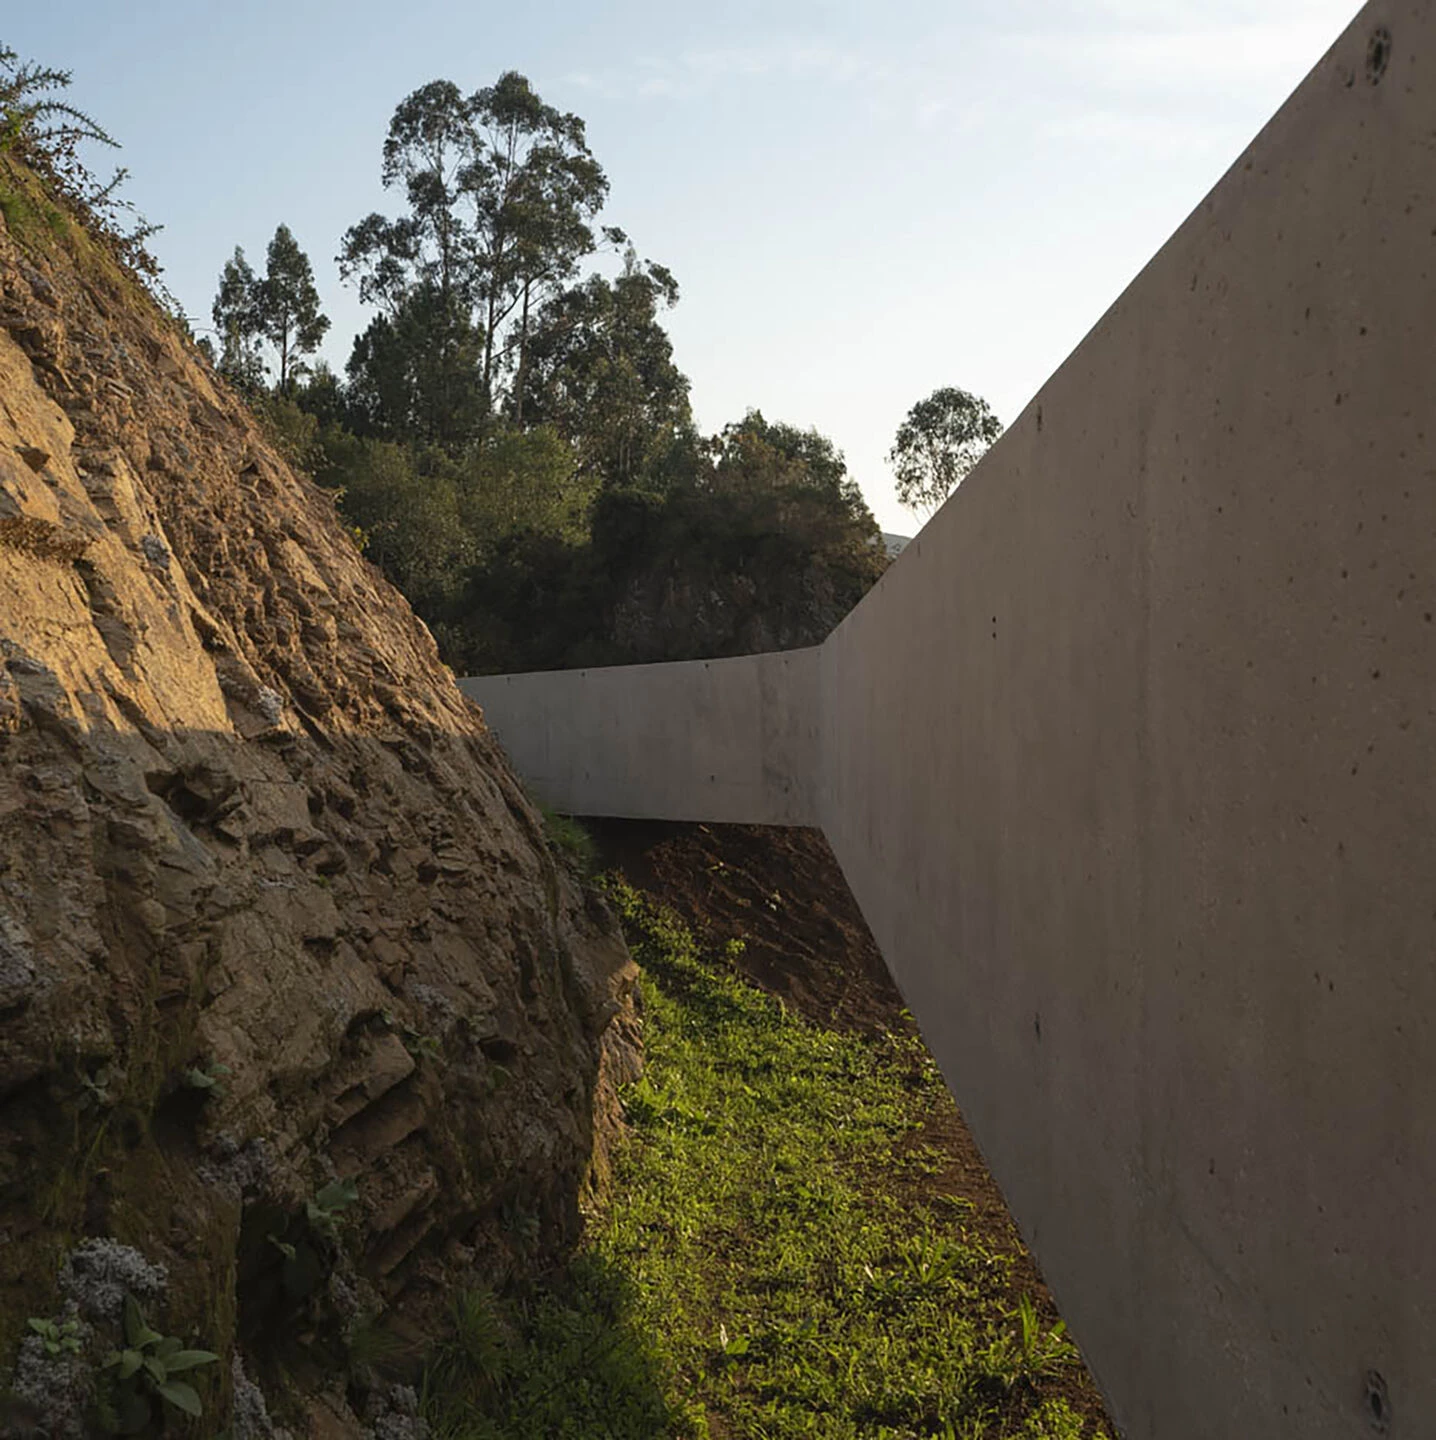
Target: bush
[
  {"x": 46, "y": 135},
  {"x": 570, "y": 839}
]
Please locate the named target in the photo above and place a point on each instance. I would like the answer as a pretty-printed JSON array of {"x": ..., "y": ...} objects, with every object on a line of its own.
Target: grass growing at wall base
[{"x": 750, "y": 1276}]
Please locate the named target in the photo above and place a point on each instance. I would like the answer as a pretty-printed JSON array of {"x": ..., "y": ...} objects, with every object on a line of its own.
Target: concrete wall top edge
[
  {"x": 1340, "y": 69},
  {"x": 470, "y": 683}
]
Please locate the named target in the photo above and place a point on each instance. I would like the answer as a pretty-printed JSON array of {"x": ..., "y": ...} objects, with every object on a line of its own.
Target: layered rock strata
[{"x": 274, "y": 912}]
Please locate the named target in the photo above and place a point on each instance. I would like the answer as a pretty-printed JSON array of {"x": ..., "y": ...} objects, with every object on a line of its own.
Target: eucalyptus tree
[
  {"x": 500, "y": 190},
  {"x": 536, "y": 187},
  {"x": 282, "y": 308},
  {"x": 602, "y": 372},
  {"x": 941, "y": 439},
  {"x": 411, "y": 368},
  {"x": 236, "y": 317},
  {"x": 287, "y": 305}
]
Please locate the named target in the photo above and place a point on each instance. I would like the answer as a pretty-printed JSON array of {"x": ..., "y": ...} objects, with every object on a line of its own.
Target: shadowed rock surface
[{"x": 247, "y": 821}]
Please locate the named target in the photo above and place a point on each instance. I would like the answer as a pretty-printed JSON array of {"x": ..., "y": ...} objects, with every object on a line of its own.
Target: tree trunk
[
  {"x": 489, "y": 353},
  {"x": 441, "y": 424},
  {"x": 523, "y": 357}
]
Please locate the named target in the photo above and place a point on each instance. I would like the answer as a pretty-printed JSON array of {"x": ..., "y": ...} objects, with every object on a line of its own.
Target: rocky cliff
[{"x": 274, "y": 913}]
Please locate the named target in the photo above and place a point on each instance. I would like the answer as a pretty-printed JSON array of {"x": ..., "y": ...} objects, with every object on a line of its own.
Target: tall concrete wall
[
  {"x": 718, "y": 739},
  {"x": 1130, "y": 763}
]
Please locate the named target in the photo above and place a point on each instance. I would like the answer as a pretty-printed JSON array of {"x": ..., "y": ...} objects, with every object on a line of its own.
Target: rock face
[{"x": 274, "y": 912}]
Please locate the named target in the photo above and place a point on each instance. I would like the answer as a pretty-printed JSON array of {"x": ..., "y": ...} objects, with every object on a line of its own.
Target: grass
[
  {"x": 751, "y": 1276},
  {"x": 570, "y": 838},
  {"x": 27, "y": 217}
]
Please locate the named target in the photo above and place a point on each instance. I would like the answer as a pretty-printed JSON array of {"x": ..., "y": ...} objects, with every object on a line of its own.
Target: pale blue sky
[{"x": 861, "y": 202}]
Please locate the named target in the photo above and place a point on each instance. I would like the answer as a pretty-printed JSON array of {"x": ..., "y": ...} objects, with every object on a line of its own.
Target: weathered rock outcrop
[{"x": 273, "y": 910}]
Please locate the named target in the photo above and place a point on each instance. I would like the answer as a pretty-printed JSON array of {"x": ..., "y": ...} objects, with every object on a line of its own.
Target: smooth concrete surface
[
  {"x": 706, "y": 739},
  {"x": 1130, "y": 762}
]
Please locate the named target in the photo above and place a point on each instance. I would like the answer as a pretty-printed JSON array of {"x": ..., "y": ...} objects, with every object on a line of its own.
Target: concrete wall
[
  {"x": 707, "y": 739},
  {"x": 1130, "y": 763}
]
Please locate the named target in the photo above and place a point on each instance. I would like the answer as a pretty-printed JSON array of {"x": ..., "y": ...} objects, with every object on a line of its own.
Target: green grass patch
[
  {"x": 751, "y": 1275},
  {"x": 12, "y": 207},
  {"x": 32, "y": 219},
  {"x": 27, "y": 219},
  {"x": 569, "y": 837}
]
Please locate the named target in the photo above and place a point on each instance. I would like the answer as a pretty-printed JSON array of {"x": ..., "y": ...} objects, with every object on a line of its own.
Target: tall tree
[
  {"x": 236, "y": 317},
  {"x": 790, "y": 482},
  {"x": 420, "y": 270},
  {"x": 602, "y": 371},
  {"x": 941, "y": 439},
  {"x": 287, "y": 305},
  {"x": 500, "y": 189},
  {"x": 808, "y": 458},
  {"x": 414, "y": 373},
  {"x": 536, "y": 186}
]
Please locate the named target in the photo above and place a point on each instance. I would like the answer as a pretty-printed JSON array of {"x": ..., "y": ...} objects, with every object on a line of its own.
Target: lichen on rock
[
  {"x": 98, "y": 1274},
  {"x": 54, "y": 1391},
  {"x": 249, "y": 1416}
]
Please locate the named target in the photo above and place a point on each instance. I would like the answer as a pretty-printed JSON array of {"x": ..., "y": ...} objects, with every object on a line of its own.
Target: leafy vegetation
[
  {"x": 306, "y": 1246},
  {"x": 208, "y": 1078},
  {"x": 938, "y": 443},
  {"x": 143, "y": 1372},
  {"x": 511, "y": 441},
  {"x": 324, "y": 1210},
  {"x": 753, "y": 1274},
  {"x": 569, "y": 838},
  {"x": 48, "y": 136},
  {"x": 59, "y": 1337}
]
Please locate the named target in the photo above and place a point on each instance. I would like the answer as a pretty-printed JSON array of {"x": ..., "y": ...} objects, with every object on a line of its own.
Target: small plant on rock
[
  {"x": 567, "y": 837},
  {"x": 58, "y": 1337},
  {"x": 96, "y": 1088},
  {"x": 324, "y": 1210},
  {"x": 309, "y": 1253},
  {"x": 419, "y": 1045},
  {"x": 208, "y": 1077},
  {"x": 48, "y": 134},
  {"x": 143, "y": 1372}
]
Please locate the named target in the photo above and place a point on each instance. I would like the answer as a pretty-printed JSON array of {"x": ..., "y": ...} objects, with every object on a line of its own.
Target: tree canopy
[
  {"x": 288, "y": 304},
  {"x": 601, "y": 370},
  {"x": 500, "y": 191},
  {"x": 512, "y": 439},
  {"x": 938, "y": 443},
  {"x": 236, "y": 318},
  {"x": 282, "y": 308}
]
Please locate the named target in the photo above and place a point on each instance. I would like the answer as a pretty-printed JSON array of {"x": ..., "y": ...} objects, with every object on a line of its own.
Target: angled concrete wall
[
  {"x": 733, "y": 740},
  {"x": 1130, "y": 762}
]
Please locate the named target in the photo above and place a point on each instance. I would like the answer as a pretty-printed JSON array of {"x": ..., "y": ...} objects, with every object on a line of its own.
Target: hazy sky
[{"x": 861, "y": 202}]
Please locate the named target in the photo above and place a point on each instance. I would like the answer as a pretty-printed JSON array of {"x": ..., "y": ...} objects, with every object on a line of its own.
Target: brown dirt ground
[{"x": 780, "y": 891}]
